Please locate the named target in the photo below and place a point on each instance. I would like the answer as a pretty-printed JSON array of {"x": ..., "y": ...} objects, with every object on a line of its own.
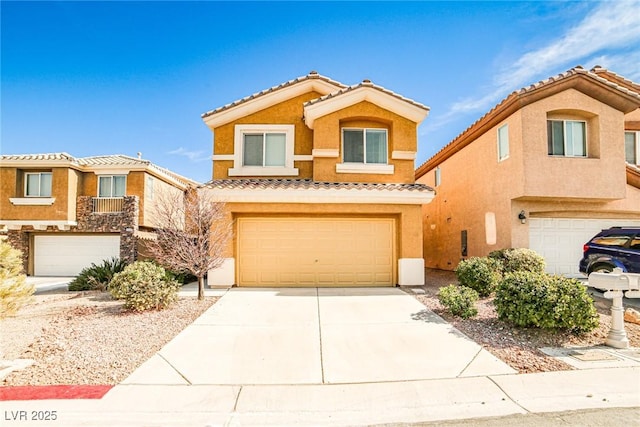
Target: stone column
[{"x": 19, "y": 239}]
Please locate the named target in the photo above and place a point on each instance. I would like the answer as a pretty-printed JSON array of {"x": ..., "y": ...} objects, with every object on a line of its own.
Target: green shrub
[
  {"x": 144, "y": 286},
  {"x": 480, "y": 274},
  {"x": 519, "y": 259},
  {"x": 545, "y": 301},
  {"x": 97, "y": 277},
  {"x": 459, "y": 300},
  {"x": 14, "y": 290}
]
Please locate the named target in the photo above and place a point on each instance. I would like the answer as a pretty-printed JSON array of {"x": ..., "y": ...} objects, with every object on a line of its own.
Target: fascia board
[
  {"x": 321, "y": 196},
  {"x": 263, "y": 101},
  {"x": 402, "y": 108}
]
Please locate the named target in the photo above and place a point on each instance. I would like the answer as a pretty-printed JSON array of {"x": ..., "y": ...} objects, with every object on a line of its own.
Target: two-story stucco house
[
  {"x": 546, "y": 168},
  {"x": 318, "y": 178},
  {"x": 65, "y": 213}
]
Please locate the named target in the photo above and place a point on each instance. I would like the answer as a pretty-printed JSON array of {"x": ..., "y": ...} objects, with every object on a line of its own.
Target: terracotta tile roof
[
  {"x": 514, "y": 101},
  {"x": 616, "y": 78},
  {"x": 365, "y": 83},
  {"x": 311, "y": 75},
  {"x": 95, "y": 161},
  {"x": 307, "y": 184}
]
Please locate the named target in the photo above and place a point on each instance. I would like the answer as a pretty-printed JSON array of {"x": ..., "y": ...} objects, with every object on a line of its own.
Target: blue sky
[{"x": 92, "y": 78}]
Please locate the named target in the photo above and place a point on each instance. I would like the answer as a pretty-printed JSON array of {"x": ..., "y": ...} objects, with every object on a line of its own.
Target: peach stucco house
[
  {"x": 65, "y": 213},
  {"x": 318, "y": 178},
  {"x": 546, "y": 169}
]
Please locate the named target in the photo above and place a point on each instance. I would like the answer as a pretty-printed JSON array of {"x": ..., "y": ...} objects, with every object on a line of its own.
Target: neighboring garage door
[
  {"x": 560, "y": 240},
  {"x": 67, "y": 255},
  {"x": 315, "y": 252}
]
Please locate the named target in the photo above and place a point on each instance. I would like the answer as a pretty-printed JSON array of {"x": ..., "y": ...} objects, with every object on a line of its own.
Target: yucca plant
[{"x": 97, "y": 277}]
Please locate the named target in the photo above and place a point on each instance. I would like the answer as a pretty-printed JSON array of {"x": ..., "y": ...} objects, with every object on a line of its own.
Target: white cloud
[
  {"x": 194, "y": 156},
  {"x": 609, "y": 26}
]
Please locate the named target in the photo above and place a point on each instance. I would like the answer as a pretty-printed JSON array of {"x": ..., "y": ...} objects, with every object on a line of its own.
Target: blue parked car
[{"x": 616, "y": 247}]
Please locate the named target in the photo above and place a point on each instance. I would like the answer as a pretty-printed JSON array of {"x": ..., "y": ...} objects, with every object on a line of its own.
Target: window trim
[
  {"x": 564, "y": 138},
  {"x": 239, "y": 169},
  {"x": 637, "y": 146},
  {"x": 364, "y": 141},
  {"x": 39, "y": 195},
  {"x": 501, "y": 156},
  {"x": 111, "y": 176}
]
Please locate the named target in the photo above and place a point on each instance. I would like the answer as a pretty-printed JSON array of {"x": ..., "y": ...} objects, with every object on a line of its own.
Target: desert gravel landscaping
[
  {"x": 518, "y": 347},
  {"x": 88, "y": 338}
]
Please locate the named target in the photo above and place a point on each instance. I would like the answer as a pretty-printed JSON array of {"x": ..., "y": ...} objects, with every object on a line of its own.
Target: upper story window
[
  {"x": 112, "y": 185},
  {"x": 437, "y": 176},
  {"x": 364, "y": 146},
  {"x": 503, "y": 142},
  {"x": 567, "y": 138},
  {"x": 37, "y": 184},
  {"x": 263, "y": 150},
  {"x": 632, "y": 147}
]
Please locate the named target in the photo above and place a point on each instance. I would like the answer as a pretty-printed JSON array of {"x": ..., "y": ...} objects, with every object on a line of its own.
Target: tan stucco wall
[
  {"x": 474, "y": 183},
  {"x": 162, "y": 191},
  {"x": 408, "y": 225},
  {"x": 549, "y": 176},
  {"x": 63, "y": 186},
  {"x": 289, "y": 112},
  {"x": 327, "y": 134}
]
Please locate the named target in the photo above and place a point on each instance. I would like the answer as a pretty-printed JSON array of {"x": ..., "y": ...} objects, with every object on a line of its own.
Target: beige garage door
[{"x": 314, "y": 252}]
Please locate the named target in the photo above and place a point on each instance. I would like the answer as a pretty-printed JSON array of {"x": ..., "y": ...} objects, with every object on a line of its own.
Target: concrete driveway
[{"x": 316, "y": 336}]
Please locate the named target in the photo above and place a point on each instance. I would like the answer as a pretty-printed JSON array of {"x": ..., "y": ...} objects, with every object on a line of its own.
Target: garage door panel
[
  {"x": 67, "y": 255},
  {"x": 560, "y": 240},
  {"x": 317, "y": 251}
]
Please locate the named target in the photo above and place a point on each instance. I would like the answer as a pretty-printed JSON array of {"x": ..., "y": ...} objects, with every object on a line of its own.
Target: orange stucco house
[
  {"x": 318, "y": 178},
  {"x": 546, "y": 168},
  {"x": 65, "y": 213}
]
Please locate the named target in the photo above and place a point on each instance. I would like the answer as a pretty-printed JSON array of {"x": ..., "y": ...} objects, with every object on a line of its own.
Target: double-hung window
[
  {"x": 368, "y": 146},
  {"x": 37, "y": 184},
  {"x": 263, "y": 150},
  {"x": 632, "y": 147},
  {"x": 567, "y": 138},
  {"x": 112, "y": 185}
]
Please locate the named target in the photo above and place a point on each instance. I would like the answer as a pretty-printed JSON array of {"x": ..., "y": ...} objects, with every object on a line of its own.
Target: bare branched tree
[{"x": 193, "y": 231}]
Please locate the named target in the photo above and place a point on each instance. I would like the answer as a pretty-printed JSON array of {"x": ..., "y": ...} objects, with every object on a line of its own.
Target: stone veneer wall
[
  {"x": 125, "y": 222},
  {"x": 19, "y": 239}
]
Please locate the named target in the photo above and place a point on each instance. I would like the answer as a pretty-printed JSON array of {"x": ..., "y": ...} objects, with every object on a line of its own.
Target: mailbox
[
  {"x": 616, "y": 285},
  {"x": 609, "y": 282}
]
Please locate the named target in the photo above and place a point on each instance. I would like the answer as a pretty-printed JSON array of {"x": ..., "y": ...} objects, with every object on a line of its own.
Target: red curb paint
[{"x": 45, "y": 392}]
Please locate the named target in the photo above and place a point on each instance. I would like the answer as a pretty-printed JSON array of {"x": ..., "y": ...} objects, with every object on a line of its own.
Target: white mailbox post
[{"x": 616, "y": 285}]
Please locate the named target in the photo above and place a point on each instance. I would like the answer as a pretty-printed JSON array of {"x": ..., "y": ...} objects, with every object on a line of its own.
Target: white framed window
[
  {"x": 368, "y": 146},
  {"x": 503, "y": 142},
  {"x": 112, "y": 185},
  {"x": 437, "y": 176},
  {"x": 37, "y": 184},
  {"x": 567, "y": 138},
  {"x": 365, "y": 150},
  {"x": 263, "y": 150},
  {"x": 632, "y": 147}
]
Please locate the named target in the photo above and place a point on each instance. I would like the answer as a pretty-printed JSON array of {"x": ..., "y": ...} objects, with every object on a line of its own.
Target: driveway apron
[{"x": 316, "y": 336}]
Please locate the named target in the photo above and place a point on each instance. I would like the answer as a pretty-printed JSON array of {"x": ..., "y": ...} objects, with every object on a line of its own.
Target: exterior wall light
[{"x": 522, "y": 217}]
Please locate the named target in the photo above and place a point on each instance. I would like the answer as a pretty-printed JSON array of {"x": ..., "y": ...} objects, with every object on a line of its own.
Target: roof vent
[
  {"x": 139, "y": 155},
  {"x": 366, "y": 81},
  {"x": 313, "y": 73}
]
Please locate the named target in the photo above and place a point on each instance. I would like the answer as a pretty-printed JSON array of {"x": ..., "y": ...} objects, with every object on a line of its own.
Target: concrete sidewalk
[{"x": 331, "y": 357}]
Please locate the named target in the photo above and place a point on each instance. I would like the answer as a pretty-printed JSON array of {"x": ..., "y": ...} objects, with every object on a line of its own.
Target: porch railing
[{"x": 108, "y": 204}]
